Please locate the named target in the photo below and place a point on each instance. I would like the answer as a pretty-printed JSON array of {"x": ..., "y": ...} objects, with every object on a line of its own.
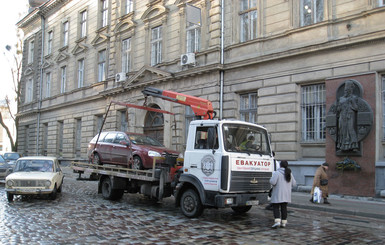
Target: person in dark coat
[
  {"x": 282, "y": 182},
  {"x": 321, "y": 181}
]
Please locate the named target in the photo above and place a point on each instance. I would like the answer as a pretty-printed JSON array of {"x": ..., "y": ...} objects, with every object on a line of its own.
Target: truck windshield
[{"x": 245, "y": 138}]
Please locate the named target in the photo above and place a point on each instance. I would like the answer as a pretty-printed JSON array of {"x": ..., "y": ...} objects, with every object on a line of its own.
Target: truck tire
[
  {"x": 190, "y": 204},
  {"x": 109, "y": 193},
  {"x": 241, "y": 209}
]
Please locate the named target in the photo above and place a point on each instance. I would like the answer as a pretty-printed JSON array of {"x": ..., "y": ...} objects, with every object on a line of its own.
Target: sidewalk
[{"x": 357, "y": 206}]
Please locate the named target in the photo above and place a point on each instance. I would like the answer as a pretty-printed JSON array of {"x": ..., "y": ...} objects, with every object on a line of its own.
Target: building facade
[{"x": 276, "y": 63}]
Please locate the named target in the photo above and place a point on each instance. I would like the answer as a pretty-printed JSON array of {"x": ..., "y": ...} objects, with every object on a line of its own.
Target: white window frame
[
  {"x": 102, "y": 57},
  {"x": 128, "y": 6},
  {"x": 383, "y": 106},
  {"x": 65, "y": 33},
  {"x": 313, "y": 9},
  {"x": 63, "y": 79},
  {"x": 249, "y": 107},
  {"x": 31, "y": 50},
  {"x": 49, "y": 42},
  {"x": 29, "y": 91},
  {"x": 83, "y": 24},
  {"x": 104, "y": 13},
  {"x": 313, "y": 113},
  {"x": 48, "y": 78},
  {"x": 126, "y": 55},
  {"x": 193, "y": 38},
  {"x": 248, "y": 20},
  {"x": 80, "y": 73},
  {"x": 156, "y": 45}
]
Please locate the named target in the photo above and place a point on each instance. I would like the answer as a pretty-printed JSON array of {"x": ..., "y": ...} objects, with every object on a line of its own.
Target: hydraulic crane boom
[{"x": 201, "y": 107}]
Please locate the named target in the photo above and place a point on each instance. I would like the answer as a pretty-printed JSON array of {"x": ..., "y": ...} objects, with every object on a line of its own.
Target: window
[
  {"x": 381, "y": 3},
  {"x": 248, "y": 16},
  {"x": 156, "y": 45},
  {"x": 206, "y": 138},
  {"x": 126, "y": 54},
  {"x": 248, "y": 110},
  {"x": 78, "y": 137},
  {"x": 123, "y": 121},
  {"x": 29, "y": 91},
  {"x": 45, "y": 139},
  {"x": 193, "y": 38},
  {"x": 80, "y": 73},
  {"x": 188, "y": 118},
  {"x": 47, "y": 84},
  {"x": 60, "y": 132},
  {"x": 383, "y": 107},
  {"x": 102, "y": 66},
  {"x": 27, "y": 138},
  {"x": 31, "y": 48},
  {"x": 312, "y": 11},
  {"x": 129, "y": 6},
  {"x": 99, "y": 122},
  {"x": 83, "y": 24},
  {"x": 49, "y": 42},
  {"x": 313, "y": 107},
  {"x": 65, "y": 33},
  {"x": 104, "y": 12},
  {"x": 63, "y": 79}
]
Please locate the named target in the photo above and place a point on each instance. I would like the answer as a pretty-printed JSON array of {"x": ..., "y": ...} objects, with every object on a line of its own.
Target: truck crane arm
[{"x": 200, "y": 107}]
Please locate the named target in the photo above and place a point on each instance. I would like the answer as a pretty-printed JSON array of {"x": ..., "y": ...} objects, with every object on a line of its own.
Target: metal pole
[
  {"x": 39, "y": 96},
  {"x": 222, "y": 59}
]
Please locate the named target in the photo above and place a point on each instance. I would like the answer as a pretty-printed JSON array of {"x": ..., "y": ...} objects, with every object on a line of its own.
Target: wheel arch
[{"x": 189, "y": 182}]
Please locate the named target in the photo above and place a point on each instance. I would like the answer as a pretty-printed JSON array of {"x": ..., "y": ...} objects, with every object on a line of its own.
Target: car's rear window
[
  {"x": 11, "y": 156},
  {"x": 101, "y": 138}
]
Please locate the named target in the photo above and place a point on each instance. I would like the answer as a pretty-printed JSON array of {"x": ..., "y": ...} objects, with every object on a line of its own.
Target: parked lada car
[
  {"x": 37, "y": 175},
  {"x": 127, "y": 149},
  {"x": 5, "y": 168}
]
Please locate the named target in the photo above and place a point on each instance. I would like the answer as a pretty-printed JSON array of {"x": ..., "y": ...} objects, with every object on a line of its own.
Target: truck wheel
[
  {"x": 137, "y": 163},
  {"x": 109, "y": 193},
  {"x": 9, "y": 197},
  {"x": 241, "y": 209},
  {"x": 191, "y": 204}
]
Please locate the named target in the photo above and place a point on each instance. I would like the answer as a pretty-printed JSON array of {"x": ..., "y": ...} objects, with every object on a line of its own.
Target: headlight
[
  {"x": 9, "y": 183},
  {"x": 153, "y": 154},
  {"x": 47, "y": 183}
]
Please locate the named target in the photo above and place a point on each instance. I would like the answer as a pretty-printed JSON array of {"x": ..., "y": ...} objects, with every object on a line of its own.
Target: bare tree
[{"x": 15, "y": 65}]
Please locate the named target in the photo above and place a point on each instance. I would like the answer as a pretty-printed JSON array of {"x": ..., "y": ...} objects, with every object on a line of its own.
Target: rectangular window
[
  {"x": 193, "y": 38},
  {"x": 188, "y": 118},
  {"x": 206, "y": 138},
  {"x": 60, "y": 132},
  {"x": 80, "y": 73},
  {"x": 102, "y": 66},
  {"x": 249, "y": 17},
  {"x": 83, "y": 24},
  {"x": 381, "y": 3},
  {"x": 29, "y": 91},
  {"x": 63, "y": 79},
  {"x": 313, "y": 105},
  {"x": 47, "y": 84},
  {"x": 27, "y": 138},
  {"x": 312, "y": 11},
  {"x": 78, "y": 137},
  {"x": 123, "y": 121},
  {"x": 129, "y": 6},
  {"x": 383, "y": 107},
  {"x": 65, "y": 33},
  {"x": 156, "y": 45},
  {"x": 45, "y": 139},
  {"x": 126, "y": 54},
  {"x": 248, "y": 110},
  {"x": 99, "y": 123},
  {"x": 104, "y": 13},
  {"x": 31, "y": 50},
  {"x": 49, "y": 42}
]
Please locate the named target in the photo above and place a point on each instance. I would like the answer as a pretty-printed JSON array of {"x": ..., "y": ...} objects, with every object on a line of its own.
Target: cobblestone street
[{"x": 81, "y": 216}]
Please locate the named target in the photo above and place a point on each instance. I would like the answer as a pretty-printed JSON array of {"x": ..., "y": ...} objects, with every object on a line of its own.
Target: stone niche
[{"x": 358, "y": 145}]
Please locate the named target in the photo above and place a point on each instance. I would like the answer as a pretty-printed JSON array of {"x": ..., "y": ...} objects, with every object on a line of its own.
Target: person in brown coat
[{"x": 321, "y": 181}]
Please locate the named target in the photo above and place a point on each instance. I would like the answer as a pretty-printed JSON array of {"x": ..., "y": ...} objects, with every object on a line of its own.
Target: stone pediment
[
  {"x": 100, "y": 38},
  {"x": 62, "y": 56},
  {"x": 124, "y": 25},
  {"x": 79, "y": 48},
  {"x": 154, "y": 12},
  {"x": 46, "y": 64},
  {"x": 147, "y": 74},
  {"x": 28, "y": 71}
]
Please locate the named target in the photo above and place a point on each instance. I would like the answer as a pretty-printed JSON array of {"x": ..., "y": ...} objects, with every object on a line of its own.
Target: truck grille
[{"x": 245, "y": 181}]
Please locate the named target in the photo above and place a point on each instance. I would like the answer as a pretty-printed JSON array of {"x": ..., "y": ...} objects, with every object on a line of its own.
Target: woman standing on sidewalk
[
  {"x": 321, "y": 181},
  {"x": 282, "y": 181}
]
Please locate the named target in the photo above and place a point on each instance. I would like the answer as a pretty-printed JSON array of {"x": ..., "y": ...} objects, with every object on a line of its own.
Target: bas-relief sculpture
[{"x": 349, "y": 119}]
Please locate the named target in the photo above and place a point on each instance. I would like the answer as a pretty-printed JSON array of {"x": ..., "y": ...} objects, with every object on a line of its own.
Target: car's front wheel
[{"x": 10, "y": 197}]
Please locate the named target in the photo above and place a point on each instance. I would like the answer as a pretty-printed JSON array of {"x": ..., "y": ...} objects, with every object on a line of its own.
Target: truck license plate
[{"x": 252, "y": 202}]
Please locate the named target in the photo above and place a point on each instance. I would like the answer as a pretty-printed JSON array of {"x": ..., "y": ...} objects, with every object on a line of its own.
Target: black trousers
[{"x": 283, "y": 214}]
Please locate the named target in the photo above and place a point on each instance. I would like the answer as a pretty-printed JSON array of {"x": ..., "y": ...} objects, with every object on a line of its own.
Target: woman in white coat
[{"x": 282, "y": 181}]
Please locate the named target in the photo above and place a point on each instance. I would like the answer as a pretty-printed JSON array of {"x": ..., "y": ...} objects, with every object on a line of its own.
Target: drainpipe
[
  {"x": 39, "y": 96},
  {"x": 221, "y": 72}
]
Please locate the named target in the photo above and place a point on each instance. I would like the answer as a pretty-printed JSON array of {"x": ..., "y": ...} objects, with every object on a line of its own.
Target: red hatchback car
[{"x": 118, "y": 148}]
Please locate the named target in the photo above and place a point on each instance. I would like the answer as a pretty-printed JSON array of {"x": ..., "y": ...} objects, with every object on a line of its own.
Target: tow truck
[{"x": 216, "y": 172}]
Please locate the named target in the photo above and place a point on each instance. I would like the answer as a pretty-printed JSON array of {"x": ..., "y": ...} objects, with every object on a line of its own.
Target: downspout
[
  {"x": 221, "y": 72},
  {"x": 39, "y": 102}
]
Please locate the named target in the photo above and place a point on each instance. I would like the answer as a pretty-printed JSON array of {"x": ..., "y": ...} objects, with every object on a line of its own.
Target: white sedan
[{"x": 38, "y": 175}]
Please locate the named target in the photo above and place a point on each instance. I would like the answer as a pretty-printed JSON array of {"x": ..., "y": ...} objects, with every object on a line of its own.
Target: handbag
[
  {"x": 317, "y": 196},
  {"x": 324, "y": 182}
]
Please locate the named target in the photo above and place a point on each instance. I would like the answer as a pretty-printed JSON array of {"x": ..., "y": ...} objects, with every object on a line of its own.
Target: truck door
[{"x": 205, "y": 159}]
